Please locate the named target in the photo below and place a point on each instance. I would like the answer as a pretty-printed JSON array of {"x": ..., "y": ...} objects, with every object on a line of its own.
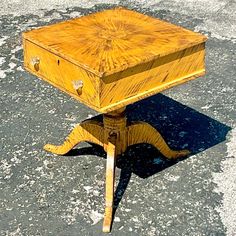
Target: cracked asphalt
[{"x": 44, "y": 194}]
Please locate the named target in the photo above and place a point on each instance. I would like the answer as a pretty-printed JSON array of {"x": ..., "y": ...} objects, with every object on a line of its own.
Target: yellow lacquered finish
[
  {"x": 108, "y": 60},
  {"x": 121, "y": 56}
]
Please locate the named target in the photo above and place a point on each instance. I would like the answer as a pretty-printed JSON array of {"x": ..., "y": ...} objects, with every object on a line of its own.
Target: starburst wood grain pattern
[{"x": 121, "y": 56}]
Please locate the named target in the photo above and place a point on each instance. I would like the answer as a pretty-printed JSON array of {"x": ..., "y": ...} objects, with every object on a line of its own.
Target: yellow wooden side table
[{"x": 108, "y": 60}]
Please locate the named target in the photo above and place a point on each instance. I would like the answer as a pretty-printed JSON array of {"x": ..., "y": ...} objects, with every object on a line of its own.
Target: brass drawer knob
[
  {"x": 78, "y": 85},
  {"x": 35, "y": 63}
]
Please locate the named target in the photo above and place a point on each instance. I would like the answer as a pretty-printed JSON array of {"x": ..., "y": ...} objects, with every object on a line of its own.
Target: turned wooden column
[{"x": 115, "y": 123}]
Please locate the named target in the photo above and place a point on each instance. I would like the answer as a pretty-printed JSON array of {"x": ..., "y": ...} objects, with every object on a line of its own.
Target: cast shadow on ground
[{"x": 181, "y": 126}]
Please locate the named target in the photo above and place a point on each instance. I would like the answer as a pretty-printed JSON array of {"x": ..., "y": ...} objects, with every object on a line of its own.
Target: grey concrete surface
[{"x": 43, "y": 194}]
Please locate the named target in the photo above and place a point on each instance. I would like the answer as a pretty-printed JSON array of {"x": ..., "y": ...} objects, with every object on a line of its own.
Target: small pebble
[{"x": 49, "y": 165}]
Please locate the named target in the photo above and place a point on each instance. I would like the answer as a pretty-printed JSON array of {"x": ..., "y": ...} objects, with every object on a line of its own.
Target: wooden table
[{"x": 108, "y": 60}]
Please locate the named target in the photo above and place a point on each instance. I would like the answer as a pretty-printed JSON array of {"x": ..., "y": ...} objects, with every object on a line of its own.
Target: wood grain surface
[
  {"x": 120, "y": 56},
  {"x": 115, "y": 135},
  {"x": 61, "y": 74},
  {"x": 113, "y": 40}
]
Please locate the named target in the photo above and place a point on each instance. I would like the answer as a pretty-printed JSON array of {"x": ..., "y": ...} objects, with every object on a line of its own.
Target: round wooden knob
[
  {"x": 78, "y": 85},
  {"x": 35, "y": 62}
]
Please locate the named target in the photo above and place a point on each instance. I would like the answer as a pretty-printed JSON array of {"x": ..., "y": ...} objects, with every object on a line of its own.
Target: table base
[{"x": 115, "y": 136}]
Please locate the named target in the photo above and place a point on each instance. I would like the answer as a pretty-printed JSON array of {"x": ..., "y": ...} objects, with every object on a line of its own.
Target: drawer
[{"x": 65, "y": 75}]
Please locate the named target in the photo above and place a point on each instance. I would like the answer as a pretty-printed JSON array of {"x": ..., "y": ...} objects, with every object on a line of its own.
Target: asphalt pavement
[{"x": 44, "y": 194}]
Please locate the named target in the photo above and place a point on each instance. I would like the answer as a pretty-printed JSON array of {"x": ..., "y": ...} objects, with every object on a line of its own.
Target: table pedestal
[{"x": 115, "y": 136}]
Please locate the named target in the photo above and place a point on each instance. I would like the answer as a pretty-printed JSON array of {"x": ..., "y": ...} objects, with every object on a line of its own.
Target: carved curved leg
[
  {"x": 141, "y": 132},
  {"x": 90, "y": 131},
  {"x": 110, "y": 181}
]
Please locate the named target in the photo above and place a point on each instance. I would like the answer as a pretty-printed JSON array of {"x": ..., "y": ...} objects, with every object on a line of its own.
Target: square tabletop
[{"x": 113, "y": 40}]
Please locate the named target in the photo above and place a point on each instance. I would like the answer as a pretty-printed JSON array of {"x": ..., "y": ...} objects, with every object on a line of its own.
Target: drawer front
[
  {"x": 152, "y": 77},
  {"x": 63, "y": 74}
]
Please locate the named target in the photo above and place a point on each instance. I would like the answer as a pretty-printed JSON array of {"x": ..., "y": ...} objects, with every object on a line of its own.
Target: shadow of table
[{"x": 181, "y": 126}]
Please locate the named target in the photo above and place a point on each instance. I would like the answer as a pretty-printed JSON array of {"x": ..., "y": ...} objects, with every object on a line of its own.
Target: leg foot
[
  {"x": 90, "y": 131},
  {"x": 107, "y": 219},
  {"x": 141, "y": 132},
  {"x": 110, "y": 181}
]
